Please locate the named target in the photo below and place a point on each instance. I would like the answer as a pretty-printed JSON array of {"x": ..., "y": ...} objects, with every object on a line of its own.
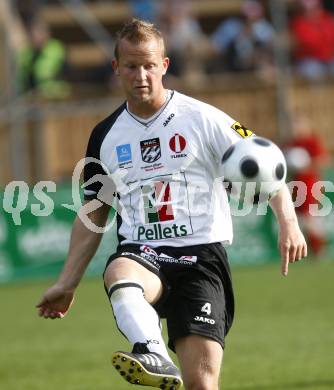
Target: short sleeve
[
  {"x": 93, "y": 166},
  {"x": 223, "y": 131},
  {"x": 96, "y": 175}
]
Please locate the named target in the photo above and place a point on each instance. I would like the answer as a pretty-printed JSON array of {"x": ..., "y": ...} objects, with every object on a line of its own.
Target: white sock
[{"x": 135, "y": 317}]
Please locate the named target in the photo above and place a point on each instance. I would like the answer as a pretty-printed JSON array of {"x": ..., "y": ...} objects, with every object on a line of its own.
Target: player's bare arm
[
  {"x": 57, "y": 300},
  {"x": 292, "y": 244}
]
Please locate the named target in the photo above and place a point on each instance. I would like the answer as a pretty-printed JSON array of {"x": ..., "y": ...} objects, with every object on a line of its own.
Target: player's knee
[
  {"x": 125, "y": 292},
  {"x": 122, "y": 269},
  {"x": 118, "y": 269}
]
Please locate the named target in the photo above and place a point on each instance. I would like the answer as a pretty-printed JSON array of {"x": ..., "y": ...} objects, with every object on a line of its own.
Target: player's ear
[
  {"x": 114, "y": 65},
  {"x": 165, "y": 64}
]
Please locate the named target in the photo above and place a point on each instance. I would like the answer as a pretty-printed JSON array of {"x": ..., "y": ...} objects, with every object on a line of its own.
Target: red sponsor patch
[{"x": 177, "y": 143}]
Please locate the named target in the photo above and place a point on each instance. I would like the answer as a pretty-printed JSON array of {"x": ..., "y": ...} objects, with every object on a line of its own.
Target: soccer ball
[{"x": 254, "y": 169}]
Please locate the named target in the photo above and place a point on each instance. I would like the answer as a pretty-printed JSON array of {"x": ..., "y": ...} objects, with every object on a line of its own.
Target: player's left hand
[{"x": 292, "y": 245}]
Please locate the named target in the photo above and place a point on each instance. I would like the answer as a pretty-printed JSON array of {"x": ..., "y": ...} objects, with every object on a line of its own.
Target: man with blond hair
[{"x": 163, "y": 151}]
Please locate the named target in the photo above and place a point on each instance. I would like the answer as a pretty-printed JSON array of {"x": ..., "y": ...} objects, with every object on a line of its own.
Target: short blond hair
[{"x": 137, "y": 31}]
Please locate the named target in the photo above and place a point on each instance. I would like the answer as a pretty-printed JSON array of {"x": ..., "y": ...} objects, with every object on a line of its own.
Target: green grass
[{"x": 282, "y": 337}]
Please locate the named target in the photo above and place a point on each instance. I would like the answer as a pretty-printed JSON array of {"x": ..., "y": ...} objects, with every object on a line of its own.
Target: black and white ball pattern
[{"x": 255, "y": 160}]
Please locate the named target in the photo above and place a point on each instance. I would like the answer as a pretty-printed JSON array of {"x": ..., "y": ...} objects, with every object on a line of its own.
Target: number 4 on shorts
[{"x": 206, "y": 308}]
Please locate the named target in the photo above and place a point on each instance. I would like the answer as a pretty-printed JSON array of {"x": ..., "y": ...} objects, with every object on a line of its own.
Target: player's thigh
[
  {"x": 200, "y": 361},
  {"x": 123, "y": 268}
]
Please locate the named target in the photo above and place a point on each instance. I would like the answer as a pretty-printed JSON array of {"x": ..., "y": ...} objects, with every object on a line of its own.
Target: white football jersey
[{"x": 167, "y": 172}]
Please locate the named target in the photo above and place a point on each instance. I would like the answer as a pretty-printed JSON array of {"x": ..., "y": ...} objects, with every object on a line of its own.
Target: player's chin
[{"x": 143, "y": 93}]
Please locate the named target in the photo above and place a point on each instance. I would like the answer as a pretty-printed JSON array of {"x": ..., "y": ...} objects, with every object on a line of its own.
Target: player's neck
[{"x": 148, "y": 108}]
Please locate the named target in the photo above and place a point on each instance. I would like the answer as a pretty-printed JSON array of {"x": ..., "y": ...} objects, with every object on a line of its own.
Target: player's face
[{"x": 140, "y": 68}]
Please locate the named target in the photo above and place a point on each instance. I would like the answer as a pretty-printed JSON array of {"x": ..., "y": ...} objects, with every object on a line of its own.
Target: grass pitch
[{"x": 282, "y": 337}]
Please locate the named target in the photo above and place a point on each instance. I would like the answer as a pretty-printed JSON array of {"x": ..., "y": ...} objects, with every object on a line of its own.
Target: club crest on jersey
[
  {"x": 150, "y": 150},
  {"x": 177, "y": 144}
]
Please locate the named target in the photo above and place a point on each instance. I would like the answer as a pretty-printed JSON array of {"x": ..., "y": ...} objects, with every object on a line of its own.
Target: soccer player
[{"x": 163, "y": 150}]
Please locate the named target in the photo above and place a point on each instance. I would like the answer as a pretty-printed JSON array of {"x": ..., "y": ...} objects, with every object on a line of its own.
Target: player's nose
[{"x": 140, "y": 74}]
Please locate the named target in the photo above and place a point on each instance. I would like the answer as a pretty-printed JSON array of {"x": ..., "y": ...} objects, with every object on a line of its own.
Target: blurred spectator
[
  {"x": 313, "y": 40},
  {"x": 41, "y": 63},
  {"x": 145, "y": 9},
  {"x": 185, "y": 41},
  {"x": 306, "y": 157},
  {"x": 245, "y": 43},
  {"x": 28, "y": 10},
  {"x": 329, "y": 5}
]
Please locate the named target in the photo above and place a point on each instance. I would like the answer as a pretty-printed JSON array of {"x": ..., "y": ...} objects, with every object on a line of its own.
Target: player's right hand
[{"x": 55, "y": 302}]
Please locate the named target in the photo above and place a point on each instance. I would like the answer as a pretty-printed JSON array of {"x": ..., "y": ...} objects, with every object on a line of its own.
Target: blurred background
[{"x": 270, "y": 65}]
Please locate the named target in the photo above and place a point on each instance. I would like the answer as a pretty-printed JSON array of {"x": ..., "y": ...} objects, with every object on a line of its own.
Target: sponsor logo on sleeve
[{"x": 241, "y": 130}]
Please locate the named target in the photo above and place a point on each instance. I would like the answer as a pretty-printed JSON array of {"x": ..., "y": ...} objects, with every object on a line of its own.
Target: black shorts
[{"x": 198, "y": 295}]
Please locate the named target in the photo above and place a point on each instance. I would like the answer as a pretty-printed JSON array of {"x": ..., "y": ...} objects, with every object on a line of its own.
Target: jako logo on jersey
[
  {"x": 171, "y": 116},
  {"x": 158, "y": 207},
  {"x": 205, "y": 320},
  {"x": 150, "y": 150}
]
